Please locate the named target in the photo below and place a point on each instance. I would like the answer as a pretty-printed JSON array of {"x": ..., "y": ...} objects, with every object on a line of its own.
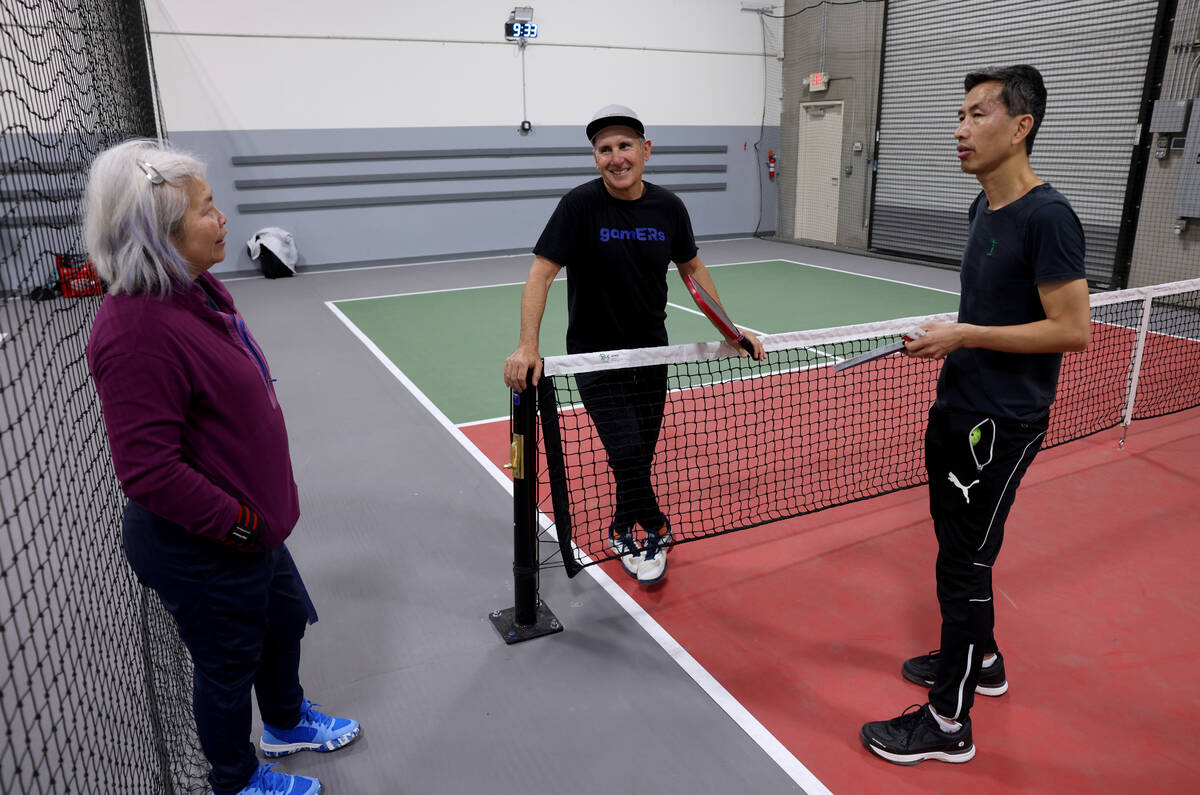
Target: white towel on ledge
[{"x": 279, "y": 241}]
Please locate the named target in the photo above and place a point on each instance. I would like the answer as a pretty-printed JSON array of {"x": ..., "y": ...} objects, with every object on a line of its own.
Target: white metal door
[{"x": 818, "y": 177}]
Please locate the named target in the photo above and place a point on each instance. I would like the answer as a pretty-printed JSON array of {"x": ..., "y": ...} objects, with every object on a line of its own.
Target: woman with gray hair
[{"x": 199, "y": 444}]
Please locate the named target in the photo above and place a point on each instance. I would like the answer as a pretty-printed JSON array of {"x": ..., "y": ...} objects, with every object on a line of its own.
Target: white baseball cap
[{"x": 614, "y": 115}]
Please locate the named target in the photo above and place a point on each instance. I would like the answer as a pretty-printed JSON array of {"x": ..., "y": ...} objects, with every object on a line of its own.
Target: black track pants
[
  {"x": 975, "y": 464},
  {"x": 626, "y": 407}
]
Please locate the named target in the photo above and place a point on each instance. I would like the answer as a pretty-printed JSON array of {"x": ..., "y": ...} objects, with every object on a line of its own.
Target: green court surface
[{"x": 452, "y": 344}]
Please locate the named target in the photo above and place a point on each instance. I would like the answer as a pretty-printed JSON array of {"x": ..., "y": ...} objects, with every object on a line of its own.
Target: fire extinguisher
[{"x": 771, "y": 163}]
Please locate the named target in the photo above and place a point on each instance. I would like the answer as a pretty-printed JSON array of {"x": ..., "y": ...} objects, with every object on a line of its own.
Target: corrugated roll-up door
[{"x": 1093, "y": 56}]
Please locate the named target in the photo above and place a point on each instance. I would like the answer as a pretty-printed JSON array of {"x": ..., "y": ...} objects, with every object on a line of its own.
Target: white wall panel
[
  {"x": 271, "y": 64},
  {"x": 718, "y": 25}
]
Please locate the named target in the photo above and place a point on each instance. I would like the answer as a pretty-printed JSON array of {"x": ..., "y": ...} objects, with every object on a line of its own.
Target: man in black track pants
[
  {"x": 1024, "y": 300},
  {"x": 615, "y": 236}
]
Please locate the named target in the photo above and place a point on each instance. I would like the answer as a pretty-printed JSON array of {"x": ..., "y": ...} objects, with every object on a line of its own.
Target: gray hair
[{"x": 136, "y": 197}]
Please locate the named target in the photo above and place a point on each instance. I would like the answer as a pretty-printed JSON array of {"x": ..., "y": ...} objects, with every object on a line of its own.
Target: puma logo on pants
[{"x": 966, "y": 490}]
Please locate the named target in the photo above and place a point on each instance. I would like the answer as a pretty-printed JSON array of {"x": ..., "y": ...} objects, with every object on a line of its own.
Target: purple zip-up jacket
[{"x": 190, "y": 409}]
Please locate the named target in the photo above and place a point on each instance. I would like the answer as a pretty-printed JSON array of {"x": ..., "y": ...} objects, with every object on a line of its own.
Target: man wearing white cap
[{"x": 616, "y": 235}]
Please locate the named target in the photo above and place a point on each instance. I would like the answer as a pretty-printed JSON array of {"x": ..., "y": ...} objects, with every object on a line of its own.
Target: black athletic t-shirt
[
  {"x": 616, "y": 254},
  {"x": 1010, "y": 251}
]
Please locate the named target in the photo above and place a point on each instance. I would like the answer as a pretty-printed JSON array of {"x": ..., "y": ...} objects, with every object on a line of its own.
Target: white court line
[
  {"x": 482, "y": 422},
  {"x": 753, "y": 331},
  {"x": 439, "y": 290},
  {"x": 562, "y": 276},
  {"x": 763, "y": 738},
  {"x": 559, "y": 277},
  {"x": 472, "y": 259},
  {"x": 393, "y": 265},
  {"x": 469, "y": 259},
  {"x": 863, "y": 275}
]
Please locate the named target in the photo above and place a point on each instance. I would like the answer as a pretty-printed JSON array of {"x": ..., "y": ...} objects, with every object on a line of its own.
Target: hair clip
[{"x": 151, "y": 173}]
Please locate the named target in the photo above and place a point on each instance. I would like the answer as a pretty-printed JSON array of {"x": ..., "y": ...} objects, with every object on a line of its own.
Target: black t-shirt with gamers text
[
  {"x": 1010, "y": 251},
  {"x": 616, "y": 254}
]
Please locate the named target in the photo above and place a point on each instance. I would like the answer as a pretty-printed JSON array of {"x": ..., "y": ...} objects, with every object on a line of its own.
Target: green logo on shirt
[{"x": 993, "y": 248}]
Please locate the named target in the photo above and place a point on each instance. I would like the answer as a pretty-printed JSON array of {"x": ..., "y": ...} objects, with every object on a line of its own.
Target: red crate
[{"x": 77, "y": 276}]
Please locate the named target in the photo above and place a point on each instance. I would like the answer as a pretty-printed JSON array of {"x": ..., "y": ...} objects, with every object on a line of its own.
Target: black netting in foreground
[
  {"x": 95, "y": 685},
  {"x": 742, "y": 443}
]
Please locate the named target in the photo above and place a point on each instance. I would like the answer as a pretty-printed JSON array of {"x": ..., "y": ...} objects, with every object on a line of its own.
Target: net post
[
  {"x": 529, "y": 617},
  {"x": 1135, "y": 369}
]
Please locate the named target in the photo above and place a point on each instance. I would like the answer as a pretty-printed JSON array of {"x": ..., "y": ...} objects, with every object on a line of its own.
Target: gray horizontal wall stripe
[
  {"x": 424, "y": 259},
  {"x": 433, "y": 176},
  {"x": 36, "y": 195},
  {"x": 377, "y": 221},
  {"x": 30, "y": 221},
  {"x": 437, "y": 198},
  {"x": 433, "y": 154},
  {"x": 43, "y": 168}
]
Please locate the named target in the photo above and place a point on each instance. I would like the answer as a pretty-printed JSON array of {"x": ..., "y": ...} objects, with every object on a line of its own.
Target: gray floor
[{"x": 405, "y": 544}]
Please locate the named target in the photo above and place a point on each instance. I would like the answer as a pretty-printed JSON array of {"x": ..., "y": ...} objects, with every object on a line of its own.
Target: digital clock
[{"x": 520, "y": 30}]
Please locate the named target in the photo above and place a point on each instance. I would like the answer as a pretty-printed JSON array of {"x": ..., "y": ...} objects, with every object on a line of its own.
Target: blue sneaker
[
  {"x": 316, "y": 731},
  {"x": 267, "y": 782}
]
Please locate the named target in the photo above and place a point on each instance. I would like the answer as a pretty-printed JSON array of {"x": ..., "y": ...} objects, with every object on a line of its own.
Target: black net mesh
[
  {"x": 741, "y": 443},
  {"x": 1169, "y": 378},
  {"x": 95, "y": 695}
]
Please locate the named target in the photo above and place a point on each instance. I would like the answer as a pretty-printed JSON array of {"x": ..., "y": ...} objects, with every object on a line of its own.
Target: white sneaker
[
  {"x": 653, "y": 568},
  {"x": 624, "y": 545},
  {"x": 654, "y": 556}
]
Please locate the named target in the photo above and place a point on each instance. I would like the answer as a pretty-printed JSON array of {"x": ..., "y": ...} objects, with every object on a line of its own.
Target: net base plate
[{"x": 505, "y": 622}]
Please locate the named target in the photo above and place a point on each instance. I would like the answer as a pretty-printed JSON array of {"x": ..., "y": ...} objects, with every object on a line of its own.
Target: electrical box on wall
[
  {"x": 1187, "y": 194},
  {"x": 1170, "y": 115}
]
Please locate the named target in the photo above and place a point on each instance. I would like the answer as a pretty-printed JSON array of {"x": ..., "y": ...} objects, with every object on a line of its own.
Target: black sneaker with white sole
[
  {"x": 922, "y": 670},
  {"x": 915, "y": 736}
]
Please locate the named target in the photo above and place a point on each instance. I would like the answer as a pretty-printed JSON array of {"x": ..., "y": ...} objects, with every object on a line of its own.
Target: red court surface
[{"x": 806, "y": 622}]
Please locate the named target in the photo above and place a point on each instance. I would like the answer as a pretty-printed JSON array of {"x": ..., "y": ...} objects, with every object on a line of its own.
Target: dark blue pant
[
  {"x": 241, "y": 615},
  {"x": 975, "y": 464}
]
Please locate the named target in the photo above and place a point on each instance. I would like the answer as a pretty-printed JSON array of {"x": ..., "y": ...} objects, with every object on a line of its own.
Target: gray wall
[
  {"x": 496, "y": 203},
  {"x": 1093, "y": 55},
  {"x": 1159, "y": 254},
  {"x": 844, "y": 42}
]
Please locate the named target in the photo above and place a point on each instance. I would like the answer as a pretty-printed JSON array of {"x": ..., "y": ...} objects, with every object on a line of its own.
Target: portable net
[
  {"x": 743, "y": 443},
  {"x": 95, "y": 684}
]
